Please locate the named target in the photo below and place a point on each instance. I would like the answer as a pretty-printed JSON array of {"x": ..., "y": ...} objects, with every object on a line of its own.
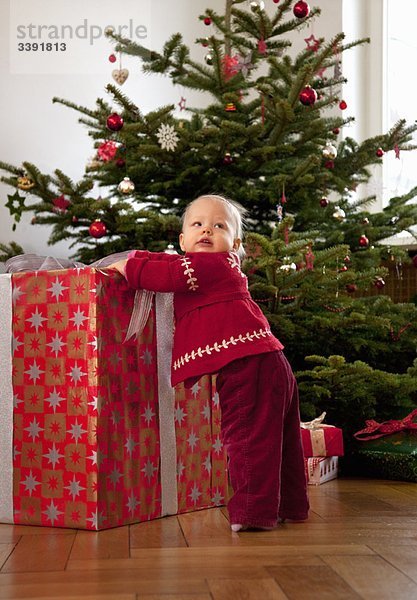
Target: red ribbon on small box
[
  {"x": 320, "y": 439},
  {"x": 374, "y": 430}
]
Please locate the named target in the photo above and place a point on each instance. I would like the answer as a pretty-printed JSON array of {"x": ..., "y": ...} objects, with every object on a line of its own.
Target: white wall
[{"x": 33, "y": 129}]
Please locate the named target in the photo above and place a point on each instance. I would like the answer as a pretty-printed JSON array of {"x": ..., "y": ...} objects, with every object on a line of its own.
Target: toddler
[{"x": 220, "y": 329}]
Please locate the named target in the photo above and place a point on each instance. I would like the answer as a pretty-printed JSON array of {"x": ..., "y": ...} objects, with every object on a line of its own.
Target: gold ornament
[
  {"x": 126, "y": 186},
  {"x": 339, "y": 214},
  {"x": 25, "y": 183}
]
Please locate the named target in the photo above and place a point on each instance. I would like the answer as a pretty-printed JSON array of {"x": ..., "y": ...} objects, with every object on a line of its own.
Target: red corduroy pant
[{"x": 261, "y": 432}]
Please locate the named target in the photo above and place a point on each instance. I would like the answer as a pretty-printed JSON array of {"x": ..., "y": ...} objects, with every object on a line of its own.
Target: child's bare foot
[{"x": 236, "y": 527}]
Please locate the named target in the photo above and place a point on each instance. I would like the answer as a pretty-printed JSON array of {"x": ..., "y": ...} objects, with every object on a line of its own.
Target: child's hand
[{"x": 120, "y": 266}]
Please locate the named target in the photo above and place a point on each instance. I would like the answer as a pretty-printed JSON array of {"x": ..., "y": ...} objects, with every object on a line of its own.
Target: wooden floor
[{"x": 360, "y": 542}]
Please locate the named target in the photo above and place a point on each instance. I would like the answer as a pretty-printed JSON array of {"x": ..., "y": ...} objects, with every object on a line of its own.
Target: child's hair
[{"x": 236, "y": 211}]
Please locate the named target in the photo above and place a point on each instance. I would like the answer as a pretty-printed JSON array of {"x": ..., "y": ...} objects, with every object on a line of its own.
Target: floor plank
[
  {"x": 372, "y": 577},
  {"x": 113, "y": 543},
  {"x": 40, "y": 553},
  {"x": 161, "y": 533},
  {"x": 317, "y": 582},
  {"x": 245, "y": 589}
]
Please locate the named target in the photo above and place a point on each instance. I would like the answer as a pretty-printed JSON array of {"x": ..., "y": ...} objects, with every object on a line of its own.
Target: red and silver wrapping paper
[
  {"x": 91, "y": 433},
  {"x": 321, "y": 440}
]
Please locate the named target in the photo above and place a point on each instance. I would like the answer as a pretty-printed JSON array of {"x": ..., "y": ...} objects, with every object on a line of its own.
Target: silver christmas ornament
[
  {"x": 126, "y": 186},
  {"x": 329, "y": 151}
]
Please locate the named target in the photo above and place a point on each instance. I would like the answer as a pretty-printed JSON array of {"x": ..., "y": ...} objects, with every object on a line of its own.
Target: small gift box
[
  {"x": 92, "y": 435},
  {"x": 321, "y": 469},
  {"x": 387, "y": 450},
  {"x": 320, "y": 439}
]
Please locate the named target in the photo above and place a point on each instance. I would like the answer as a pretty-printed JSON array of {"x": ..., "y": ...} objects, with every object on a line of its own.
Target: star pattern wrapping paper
[{"x": 86, "y": 438}]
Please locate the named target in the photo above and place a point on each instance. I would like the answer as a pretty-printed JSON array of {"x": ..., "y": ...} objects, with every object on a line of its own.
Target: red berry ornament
[
  {"x": 114, "y": 122},
  {"x": 301, "y": 9},
  {"x": 227, "y": 159},
  {"x": 324, "y": 202},
  {"x": 308, "y": 96},
  {"x": 351, "y": 288},
  {"x": 97, "y": 229},
  {"x": 379, "y": 152},
  {"x": 379, "y": 283},
  {"x": 336, "y": 130},
  {"x": 342, "y": 105},
  {"x": 363, "y": 241},
  {"x": 112, "y": 58},
  {"x": 207, "y": 21}
]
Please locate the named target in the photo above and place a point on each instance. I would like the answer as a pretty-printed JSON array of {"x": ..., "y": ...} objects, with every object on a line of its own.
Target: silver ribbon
[
  {"x": 6, "y": 401},
  {"x": 166, "y": 396}
]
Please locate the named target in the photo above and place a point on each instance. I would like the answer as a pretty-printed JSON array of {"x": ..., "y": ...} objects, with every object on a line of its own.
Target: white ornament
[
  {"x": 167, "y": 137},
  {"x": 120, "y": 75},
  {"x": 257, "y": 5}
]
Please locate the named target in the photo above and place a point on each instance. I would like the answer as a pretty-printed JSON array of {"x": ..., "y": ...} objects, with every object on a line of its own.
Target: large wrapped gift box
[
  {"x": 92, "y": 435},
  {"x": 387, "y": 450},
  {"x": 320, "y": 439}
]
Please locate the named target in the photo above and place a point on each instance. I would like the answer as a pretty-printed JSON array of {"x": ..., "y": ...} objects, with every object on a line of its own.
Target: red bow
[{"x": 386, "y": 428}]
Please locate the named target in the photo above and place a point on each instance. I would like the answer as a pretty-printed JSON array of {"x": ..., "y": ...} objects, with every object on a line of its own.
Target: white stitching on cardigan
[
  {"x": 192, "y": 281},
  {"x": 234, "y": 263},
  {"x": 218, "y": 347}
]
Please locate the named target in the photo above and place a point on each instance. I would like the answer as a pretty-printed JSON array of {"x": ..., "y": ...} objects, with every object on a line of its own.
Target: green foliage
[
  {"x": 352, "y": 392},
  {"x": 10, "y": 250}
]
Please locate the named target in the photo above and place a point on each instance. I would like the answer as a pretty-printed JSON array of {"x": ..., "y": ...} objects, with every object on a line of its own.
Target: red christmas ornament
[
  {"x": 347, "y": 259},
  {"x": 207, "y": 21},
  {"x": 227, "y": 159},
  {"x": 351, "y": 288},
  {"x": 112, "y": 58},
  {"x": 342, "y": 105},
  {"x": 336, "y": 130},
  {"x": 97, "y": 229},
  {"x": 308, "y": 96},
  {"x": 61, "y": 203},
  {"x": 329, "y": 164},
  {"x": 343, "y": 269},
  {"x": 120, "y": 162},
  {"x": 363, "y": 241},
  {"x": 379, "y": 283},
  {"x": 107, "y": 151},
  {"x": 275, "y": 1},
  {"x": 324, "y": 202},
  {"x": 379, "y": 152},
  {"x": 114, "y": 122},
  {"x": 301, "y": 9}
]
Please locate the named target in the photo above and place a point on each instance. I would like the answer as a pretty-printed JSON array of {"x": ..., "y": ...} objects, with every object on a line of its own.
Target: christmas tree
[{"x": 271, "y": 137}]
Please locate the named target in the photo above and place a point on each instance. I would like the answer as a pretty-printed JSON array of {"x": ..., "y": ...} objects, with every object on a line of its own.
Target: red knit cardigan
[{"x": 216, "y": 320}]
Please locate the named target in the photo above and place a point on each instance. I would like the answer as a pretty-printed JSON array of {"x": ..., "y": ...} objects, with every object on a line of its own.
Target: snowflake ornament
[
  {"x": 244, "y": 64},
  {"x": 167, "y": 137}
]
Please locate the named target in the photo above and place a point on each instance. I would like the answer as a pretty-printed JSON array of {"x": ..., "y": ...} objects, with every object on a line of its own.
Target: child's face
[{"x": 208, "y": 227}]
